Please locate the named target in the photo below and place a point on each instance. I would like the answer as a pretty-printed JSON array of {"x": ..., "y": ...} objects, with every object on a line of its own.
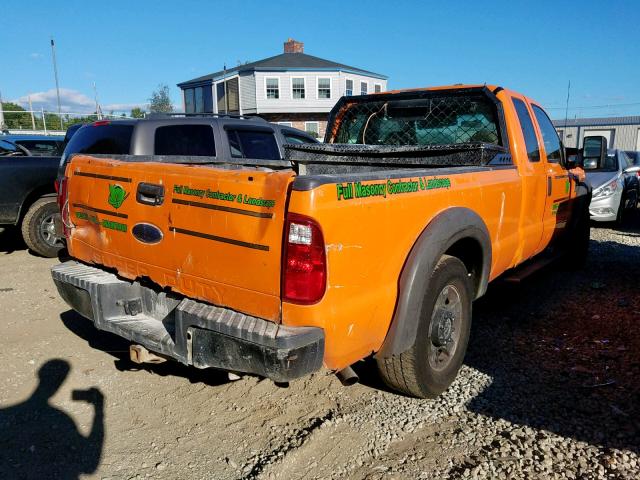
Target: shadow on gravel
[
  {"x": 563, "y": 348},
  {"x": 37, "y": 440},
  {"x": 119, "y": 348},
  {"x": 11, "y": 240}
]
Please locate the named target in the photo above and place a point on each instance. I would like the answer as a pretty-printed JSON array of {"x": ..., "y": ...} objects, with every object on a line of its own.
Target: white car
[{"x": 615, "y": 186}]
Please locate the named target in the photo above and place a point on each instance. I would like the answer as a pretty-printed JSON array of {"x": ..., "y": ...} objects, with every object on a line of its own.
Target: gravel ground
[{"x": 549, "y": 390}]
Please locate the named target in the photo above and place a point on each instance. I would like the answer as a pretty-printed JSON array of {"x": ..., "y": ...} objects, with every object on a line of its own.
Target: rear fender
[{"x": 443, "y": 231}]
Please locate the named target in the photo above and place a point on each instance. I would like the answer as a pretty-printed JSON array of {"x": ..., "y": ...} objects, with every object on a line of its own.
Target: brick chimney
[{"x": 293, "y": 46}]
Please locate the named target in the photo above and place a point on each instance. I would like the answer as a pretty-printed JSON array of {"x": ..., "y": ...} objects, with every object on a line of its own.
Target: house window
[
  {"x": 229, "y": 97},
  {"x": 348, "y": 90},
  {"x": 312, "y": 128},
  {"x": 377, "y": 88},
  {"x": 189, "y": 101},
  {"x": 285, "y": 124},
  {"x": 199, "y": 97},
  {"x": 273, "y": 88},
  {"x": 297, "y": 87},
  {"x": 324, "y": 88},
  {"x": 363, "y": 88}
]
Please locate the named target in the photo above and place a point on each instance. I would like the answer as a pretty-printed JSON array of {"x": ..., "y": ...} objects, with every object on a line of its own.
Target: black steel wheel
[{"x": 432, "y": 363}]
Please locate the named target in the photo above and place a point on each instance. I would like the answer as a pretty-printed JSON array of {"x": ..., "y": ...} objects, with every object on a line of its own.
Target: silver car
[{"x": 615, "y": 186}]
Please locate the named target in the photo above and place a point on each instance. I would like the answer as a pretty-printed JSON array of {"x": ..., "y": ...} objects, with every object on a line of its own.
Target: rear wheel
[
  {"x": 38, "y": 227},
  {"x": 433, "y": 361}
]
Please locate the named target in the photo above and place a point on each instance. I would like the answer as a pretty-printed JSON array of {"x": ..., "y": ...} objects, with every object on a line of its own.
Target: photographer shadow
[
  {"x": 38, "y": 440},
  {"x": 563, "y": 351},
  {"x": 118, "y": 347}
]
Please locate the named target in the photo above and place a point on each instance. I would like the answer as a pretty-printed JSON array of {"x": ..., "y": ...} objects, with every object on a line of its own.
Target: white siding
[
  {"x": 311, "y": 103},
  {"x": 624, "y": 137}
]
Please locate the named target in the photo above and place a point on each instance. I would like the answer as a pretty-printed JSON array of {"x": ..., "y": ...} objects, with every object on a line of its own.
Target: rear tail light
[
  {"x": 63, "y": 204},
  {"x": 304, "y": 269}
]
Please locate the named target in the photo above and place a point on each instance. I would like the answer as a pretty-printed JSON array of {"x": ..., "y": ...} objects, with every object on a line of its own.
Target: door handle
[
  {"x": 549, "y": 186},
  {"x": 150, "y": 194}
]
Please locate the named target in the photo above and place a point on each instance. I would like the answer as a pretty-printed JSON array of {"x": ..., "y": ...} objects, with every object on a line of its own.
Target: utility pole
[
  {"x": 33, "y": 119},
  {"x": 2, "y": 125},
  {"x": 95, "y": 95},
  {"x": 55, "y": 73}
]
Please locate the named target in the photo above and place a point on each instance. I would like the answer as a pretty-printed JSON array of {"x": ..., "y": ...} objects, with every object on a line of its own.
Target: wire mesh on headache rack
[{"x": 435, "y": 120}]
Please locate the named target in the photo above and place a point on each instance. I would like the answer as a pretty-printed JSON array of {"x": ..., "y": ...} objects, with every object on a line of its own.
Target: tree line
[{"x": 16, "y": 117}]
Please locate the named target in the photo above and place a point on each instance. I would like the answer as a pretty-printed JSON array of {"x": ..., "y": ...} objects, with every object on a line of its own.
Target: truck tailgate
[{"x": 206, "y": 232}]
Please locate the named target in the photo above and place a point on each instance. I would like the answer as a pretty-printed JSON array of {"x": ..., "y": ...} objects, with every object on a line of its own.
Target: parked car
[
  {"x": 27, "y": 197},
  {"x": 614, "y": 180},
  {"x": 392, "y": 228},
  {"x": 45, "y": 145}
]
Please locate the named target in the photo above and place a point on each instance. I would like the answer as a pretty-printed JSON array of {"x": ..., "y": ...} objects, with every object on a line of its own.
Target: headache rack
[
  {"x": 311, "y": 159},
  {"x": 458, "y": 127}
]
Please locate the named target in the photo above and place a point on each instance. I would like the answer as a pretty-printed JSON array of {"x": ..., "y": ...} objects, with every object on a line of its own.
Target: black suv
[{"x": 220, "y": 136}]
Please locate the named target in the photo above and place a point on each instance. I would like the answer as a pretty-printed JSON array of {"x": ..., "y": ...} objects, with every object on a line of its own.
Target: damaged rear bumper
[{"x": 189, "y": 331}]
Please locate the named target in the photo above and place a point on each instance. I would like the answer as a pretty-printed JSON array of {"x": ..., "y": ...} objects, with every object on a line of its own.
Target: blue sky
[{"x": 128, "y": 48}]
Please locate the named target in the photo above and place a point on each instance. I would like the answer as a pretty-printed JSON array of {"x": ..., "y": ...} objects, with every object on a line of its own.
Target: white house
[{"x": 291, "y": 88}]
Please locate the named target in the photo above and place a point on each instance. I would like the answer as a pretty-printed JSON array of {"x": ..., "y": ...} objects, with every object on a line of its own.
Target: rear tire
[
  {"x": 38, "y": 229},
  {"x": 433, "y": 361}
]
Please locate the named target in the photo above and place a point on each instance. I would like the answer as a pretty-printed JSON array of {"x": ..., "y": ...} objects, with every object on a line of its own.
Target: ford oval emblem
[{"x": 147, "y": 233}]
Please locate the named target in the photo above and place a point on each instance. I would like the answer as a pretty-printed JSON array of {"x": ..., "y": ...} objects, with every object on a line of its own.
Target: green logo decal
[{"x": 117, "y": 196}]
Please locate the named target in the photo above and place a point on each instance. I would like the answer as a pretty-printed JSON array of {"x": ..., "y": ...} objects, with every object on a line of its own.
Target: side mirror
[{"x": 594, "y": 151}]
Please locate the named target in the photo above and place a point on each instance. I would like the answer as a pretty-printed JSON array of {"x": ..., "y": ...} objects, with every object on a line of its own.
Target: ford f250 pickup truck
[{"x": 373, "y": 243}]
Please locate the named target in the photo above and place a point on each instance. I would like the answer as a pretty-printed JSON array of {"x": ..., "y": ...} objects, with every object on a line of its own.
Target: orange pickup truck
[{"x": 373, "y": 243}]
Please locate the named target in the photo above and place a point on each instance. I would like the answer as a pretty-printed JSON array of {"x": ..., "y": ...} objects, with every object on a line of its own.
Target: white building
[
  {"x": 291, "y": 88},
  {"x": 620, "y": 132}
]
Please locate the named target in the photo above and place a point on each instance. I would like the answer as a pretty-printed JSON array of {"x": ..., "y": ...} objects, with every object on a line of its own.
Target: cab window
[
  {"x": 530, "y": 140},
  {"x": 253, "y": 144},
  {"x": 549, "y": 135}
]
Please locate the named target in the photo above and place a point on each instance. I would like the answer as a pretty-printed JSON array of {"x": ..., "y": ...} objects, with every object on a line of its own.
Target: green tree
[
  {"x": 160, "y": 101},
  {"x": 15, "y": 120},
  {"x": 137, "y": 112}
]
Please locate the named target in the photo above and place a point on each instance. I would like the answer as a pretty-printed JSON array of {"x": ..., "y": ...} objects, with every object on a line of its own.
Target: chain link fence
[{"x": 46, "y": 122}]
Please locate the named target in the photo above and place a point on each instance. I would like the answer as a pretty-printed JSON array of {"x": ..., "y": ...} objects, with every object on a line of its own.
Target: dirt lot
[{"x": 549, "y": 390}]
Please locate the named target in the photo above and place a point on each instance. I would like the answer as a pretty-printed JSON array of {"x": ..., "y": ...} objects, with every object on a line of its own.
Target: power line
[{"x": 610, "y": 105}]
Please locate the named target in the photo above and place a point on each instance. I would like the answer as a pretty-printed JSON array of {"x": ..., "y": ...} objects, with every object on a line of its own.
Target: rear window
[
  {"x": 41, "y": 147},
  {"x": 293, "y": 138},
  {"x": 435, "y": 120},
  {"x": 253, "y": 144},
  {"x": 530, "y": 139},
  {"x": 193, "y": 140},
  {"x": 108, "y": 139}
]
